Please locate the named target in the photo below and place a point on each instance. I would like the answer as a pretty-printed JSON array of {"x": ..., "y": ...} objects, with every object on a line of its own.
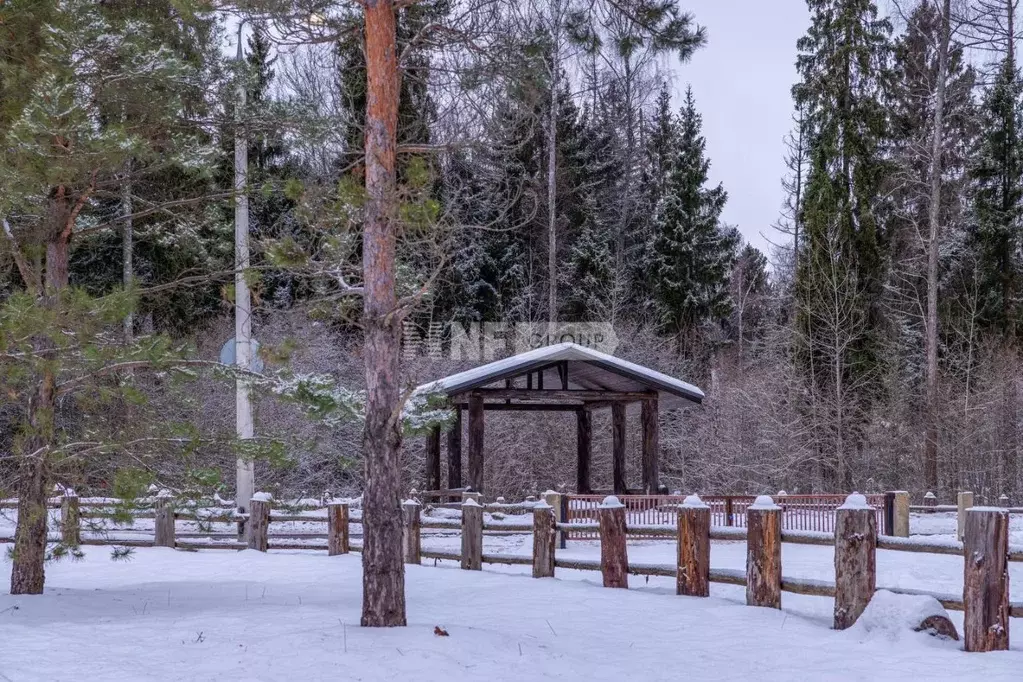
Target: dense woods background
[{"x": 551, "y": 167}]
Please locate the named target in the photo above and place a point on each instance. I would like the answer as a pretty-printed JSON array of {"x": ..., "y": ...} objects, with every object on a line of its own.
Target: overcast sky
[{"x": 742, "y": 81}]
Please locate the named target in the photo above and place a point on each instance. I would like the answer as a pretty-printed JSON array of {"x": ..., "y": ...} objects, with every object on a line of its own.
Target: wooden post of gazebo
[
  {"x": 476, "y": 441},
  {"x": 433, "y": 459},
  {"x": 651, "y": 444},
  {"x": 584, "y": 438},
  {"x": 621, "y": 487},
  {"x": 455, "y": 451}
]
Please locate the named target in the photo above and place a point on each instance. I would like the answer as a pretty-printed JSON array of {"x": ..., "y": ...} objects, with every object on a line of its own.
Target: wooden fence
[{"x": 855, "y": 537}]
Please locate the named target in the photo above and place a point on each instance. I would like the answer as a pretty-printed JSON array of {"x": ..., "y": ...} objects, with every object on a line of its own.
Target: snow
[
  {"x": 263, "y": 497},
  {"x": 893, "y": 616},
  {"x": 856, "y": 501},
  {"x": 611, "y": 502},
  {"x": 1001, "y": 510},
  {"x": 764, "y": 503},
  {"x": 469, "y": 502},
  {"x": 693, "y": 502},
  {"x": 218, "y": 615}
]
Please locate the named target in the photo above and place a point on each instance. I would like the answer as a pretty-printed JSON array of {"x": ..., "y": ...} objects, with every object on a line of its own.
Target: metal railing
[{"x": 801, "y": 512}]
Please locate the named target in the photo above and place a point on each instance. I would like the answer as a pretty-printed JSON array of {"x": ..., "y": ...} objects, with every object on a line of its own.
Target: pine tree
[
  {"x": 65, "y": 110},
  {"x": 694, "y": 252}
]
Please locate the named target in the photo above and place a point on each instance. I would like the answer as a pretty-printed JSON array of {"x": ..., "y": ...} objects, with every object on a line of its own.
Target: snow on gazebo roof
[{"x": 587, "y": 370}]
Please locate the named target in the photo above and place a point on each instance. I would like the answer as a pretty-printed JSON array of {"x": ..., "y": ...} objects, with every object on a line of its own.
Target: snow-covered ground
[{"x": 220, "y": 615}]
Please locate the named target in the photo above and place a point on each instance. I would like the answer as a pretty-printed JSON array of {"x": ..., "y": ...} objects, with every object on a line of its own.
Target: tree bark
[
  {"x": 128, "y": 248},
  {"x": 163, "y": 526},
  {"x": 693, "y": 577},
  {"x": 934, "y": 217},
  {"x": 986, "y": 580},
  {"x": 412, "y": 542},
  {"x": 27, "y": 571},
  {"x": 337, "y": 529},
  {"x": 544, "y": 541},
  {"x": 552, "y": 168},
  {"x": 472, "y": 536},
  {"x": 763, "y": 557},
  {"x": 614, "y": 558},
  {"x": 259, "y": 525},
  {"x": 855, "y": 564},
  {"x": 383, "y": 575}
]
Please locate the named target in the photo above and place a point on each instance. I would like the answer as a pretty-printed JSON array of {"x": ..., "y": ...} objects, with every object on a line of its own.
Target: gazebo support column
[
  {"x": 618, "y": 447},
  {"x": 584, "y": 438},
  {"x": 476, "y": 441},
  {"x": 455, "y": 451},
  {"x": 433, "y": 459},
  {"x": 651, "y": 446}
]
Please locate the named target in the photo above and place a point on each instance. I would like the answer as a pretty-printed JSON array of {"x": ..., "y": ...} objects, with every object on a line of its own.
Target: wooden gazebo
[{"x": 560, "y": 378}]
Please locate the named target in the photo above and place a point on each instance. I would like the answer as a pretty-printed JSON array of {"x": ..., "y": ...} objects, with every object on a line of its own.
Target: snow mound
[
  {"x": 890, "y": 615},
  {"x": 262, "y": 497},
  {"x": 856, "y": 501},
  {"x": 611, "y": 502},
  {"x": 693, "y": 502},
  {"x": 763, "y": 503}
]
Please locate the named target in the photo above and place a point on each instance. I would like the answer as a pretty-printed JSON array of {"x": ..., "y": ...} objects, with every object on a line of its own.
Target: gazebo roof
[{"x": 570, "y": 367}]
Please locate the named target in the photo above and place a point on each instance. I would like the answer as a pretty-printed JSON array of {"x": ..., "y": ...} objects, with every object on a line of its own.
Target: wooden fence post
[
  {"x": 888, "y": 524},
  {"x": 259, "y": 521},
  {"x": 964, "y": 501},
  {"x": 693, "y": 578},
  {"x": 413, "y": 546},
  {"x": 855, "y": 559},
  {"x": 763, "y": 553},
  {"x": 164, "y": 524},
  {"x": 900, "y": 520},
  {"x": 544, "y": 540},
  {"x": 70, "y": 520},
  {"x": 472, "y": 535},
  {"x": 614, "y": 558},
  {"x": 337, "y": 528},
  {"x": 986, "y": 579},
  {"x": 729, "y": 521},
  {"x": 558, "y": 502}
]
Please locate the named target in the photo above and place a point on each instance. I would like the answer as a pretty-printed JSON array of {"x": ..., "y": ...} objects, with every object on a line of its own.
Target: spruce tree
[
  {"x": 998, "y": 200},
  {"x": 844, "y": 73},
  {"x": 693, "y": 251}
]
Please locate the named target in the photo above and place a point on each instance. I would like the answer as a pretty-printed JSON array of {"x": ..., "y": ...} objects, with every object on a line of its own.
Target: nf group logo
[{"x": 487, "y": 341}]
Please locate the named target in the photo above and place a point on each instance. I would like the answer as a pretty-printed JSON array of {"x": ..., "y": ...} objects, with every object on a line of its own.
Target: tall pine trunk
[
  {"x": 934, "y": 217},
  {"x": 27, "y": 571},
  {"x": 383, "y": 579}
]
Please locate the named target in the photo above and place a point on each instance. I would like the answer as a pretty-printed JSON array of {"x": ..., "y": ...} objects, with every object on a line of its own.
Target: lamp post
[{"x": 245, "y": 467}]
